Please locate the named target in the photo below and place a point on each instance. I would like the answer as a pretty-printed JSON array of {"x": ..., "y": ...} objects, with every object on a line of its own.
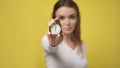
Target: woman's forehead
[{"x": 66, "y": 11}]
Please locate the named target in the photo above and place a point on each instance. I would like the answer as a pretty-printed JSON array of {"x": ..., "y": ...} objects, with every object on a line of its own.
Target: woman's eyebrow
[
  {"x": 63, "y": 15},
  {"x": 60, "y": 15},
  {"x": 72, "y": 14}
]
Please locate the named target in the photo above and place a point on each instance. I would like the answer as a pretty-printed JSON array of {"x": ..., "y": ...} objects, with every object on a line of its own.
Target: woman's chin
[{"x": 67, "y": 32}]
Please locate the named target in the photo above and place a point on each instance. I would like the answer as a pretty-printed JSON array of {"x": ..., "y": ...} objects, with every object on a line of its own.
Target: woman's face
[{"x": 68, "y": 19}]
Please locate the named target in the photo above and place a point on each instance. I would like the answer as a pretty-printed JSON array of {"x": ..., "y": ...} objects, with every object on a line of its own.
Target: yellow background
[{"x": 24, "y": 22}]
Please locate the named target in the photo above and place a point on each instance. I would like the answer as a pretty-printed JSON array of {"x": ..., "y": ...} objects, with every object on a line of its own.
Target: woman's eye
[
  {"x": 61, "y": 18},
  {"x": 72, "y": 17}
]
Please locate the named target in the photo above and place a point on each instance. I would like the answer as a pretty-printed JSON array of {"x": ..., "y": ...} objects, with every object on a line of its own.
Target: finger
[
  {"x": 56, "y": 18},
  {"x": 51, "y": 22},
  {"x": 58, "y": 35},
  {"x": 53, "y": 40},
  {"x": 49, "y": 35},
  {"x": 58, "y": 40},
  {"x": 50, "y": 38}
]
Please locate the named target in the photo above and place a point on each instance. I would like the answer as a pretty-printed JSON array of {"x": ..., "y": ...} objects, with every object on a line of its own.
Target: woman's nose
[{"x": 67, "y": 21}]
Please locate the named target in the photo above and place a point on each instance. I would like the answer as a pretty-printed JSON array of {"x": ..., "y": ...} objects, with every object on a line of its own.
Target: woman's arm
[
  {"x": 46, "y": 46},
  {"x": 50, "y": 42},
  {"x": 84, "y": 49}
]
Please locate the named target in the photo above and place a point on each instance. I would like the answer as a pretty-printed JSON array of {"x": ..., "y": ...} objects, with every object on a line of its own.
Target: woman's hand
[{"x": 54, "y": 40}]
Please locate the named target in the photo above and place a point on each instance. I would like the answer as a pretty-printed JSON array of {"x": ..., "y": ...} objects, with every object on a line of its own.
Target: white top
[{"x": 62, "y": 56}]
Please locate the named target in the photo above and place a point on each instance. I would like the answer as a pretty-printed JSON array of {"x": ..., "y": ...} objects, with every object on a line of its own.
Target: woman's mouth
[{"x": 68, "y": 29}]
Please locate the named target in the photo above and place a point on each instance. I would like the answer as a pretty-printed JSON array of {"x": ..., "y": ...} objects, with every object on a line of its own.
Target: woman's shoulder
[
  {"x": 44, "y": 38},
  {"x": 83, "y": 46}
]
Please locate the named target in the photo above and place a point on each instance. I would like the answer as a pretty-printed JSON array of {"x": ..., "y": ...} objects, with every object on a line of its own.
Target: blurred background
[{"x": 24, "y": 22}]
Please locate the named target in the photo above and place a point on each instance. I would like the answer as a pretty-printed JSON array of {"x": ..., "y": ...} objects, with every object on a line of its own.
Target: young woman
[{"x": 65, "y": 50}]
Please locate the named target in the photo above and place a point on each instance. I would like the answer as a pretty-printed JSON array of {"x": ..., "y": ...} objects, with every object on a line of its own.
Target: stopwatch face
[{"x": 55, "y": 29}]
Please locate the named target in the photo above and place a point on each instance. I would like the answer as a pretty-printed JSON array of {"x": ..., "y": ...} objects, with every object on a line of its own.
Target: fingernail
[
  {"x": 48, "y": 33},
  {"x": 56, "y": 18},
  {"x": 58, "y": 35},
  {"x": 49, "y": 24},
  {"x": 52, "y": 21}
]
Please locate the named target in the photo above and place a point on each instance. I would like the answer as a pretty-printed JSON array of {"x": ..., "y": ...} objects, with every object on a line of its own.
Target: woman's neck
[
  {"x": 67, "y": 37},
  {"x": 69, "y": 40}
]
